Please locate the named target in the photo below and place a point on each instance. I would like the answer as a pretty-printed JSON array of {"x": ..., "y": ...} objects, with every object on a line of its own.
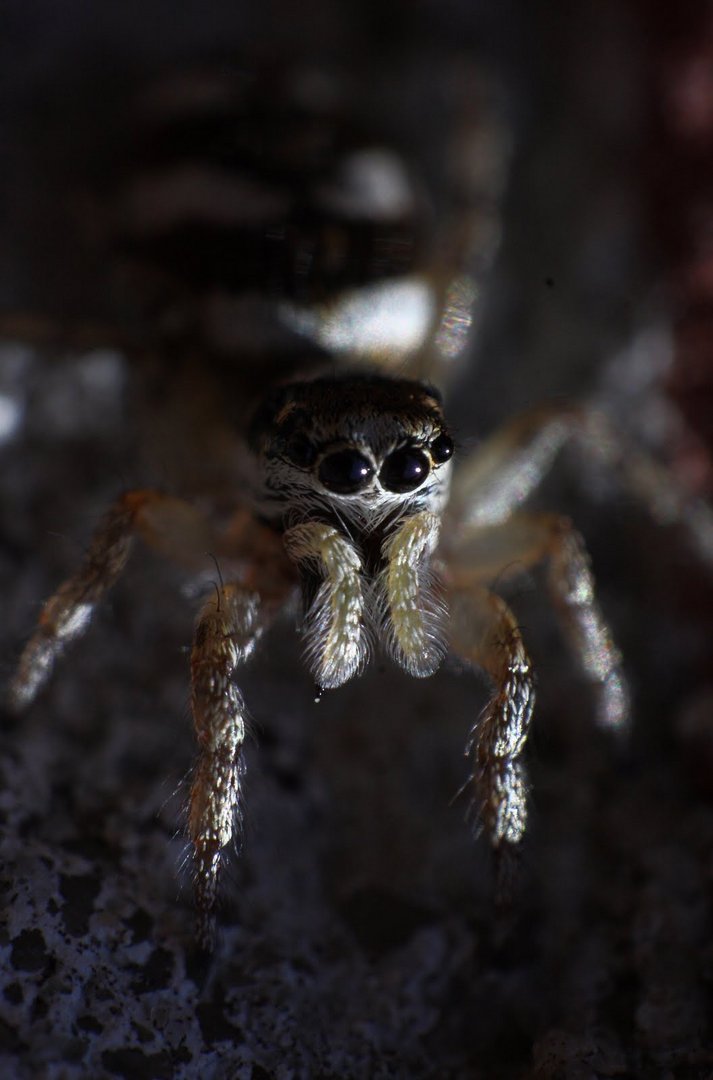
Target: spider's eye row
[
  {"x": 404, "y": 470},
  {"x": 301, "y": 452},
  {"x": 441, "y": 449},
  {"x": 345, "y": 472}
]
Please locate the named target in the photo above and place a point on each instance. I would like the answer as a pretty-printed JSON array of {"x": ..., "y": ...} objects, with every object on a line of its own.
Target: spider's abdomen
[
  {"x": 277, "y": 221},
  {"x": 248, "y": 198},
  {"x": 272, "y": 191},
  {"x": 281, "y": 216}
]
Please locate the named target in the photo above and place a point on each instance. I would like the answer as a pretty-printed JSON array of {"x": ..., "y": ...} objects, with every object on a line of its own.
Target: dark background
[{"x": 359, "y": 937}]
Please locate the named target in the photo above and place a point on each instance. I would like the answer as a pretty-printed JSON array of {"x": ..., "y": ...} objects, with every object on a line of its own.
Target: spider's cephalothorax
[
  {"x": 362, "y": 447},
  {"x": 355, "y": 473}
]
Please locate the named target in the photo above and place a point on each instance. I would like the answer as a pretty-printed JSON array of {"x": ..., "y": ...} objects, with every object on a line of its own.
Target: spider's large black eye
[
  {"x": 441, "y": 448},
  {"x": 404, "y": 470},
  {"x": 345, "y": 472}
]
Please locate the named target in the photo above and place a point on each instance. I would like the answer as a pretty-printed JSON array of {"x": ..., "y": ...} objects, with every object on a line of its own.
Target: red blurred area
[{"x": 679, "y": 44}]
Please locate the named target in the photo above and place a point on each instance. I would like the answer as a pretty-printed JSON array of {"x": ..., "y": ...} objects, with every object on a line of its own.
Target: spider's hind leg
[{"x": 571, "y": 585}]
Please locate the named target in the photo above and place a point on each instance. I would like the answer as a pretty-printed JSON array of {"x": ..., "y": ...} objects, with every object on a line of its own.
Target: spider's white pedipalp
[
  {"x": 336, "y": 640},
  {"x": 414, "y": 615}
]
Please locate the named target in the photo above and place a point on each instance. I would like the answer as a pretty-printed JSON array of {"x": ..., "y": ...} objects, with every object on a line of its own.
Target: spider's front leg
[
  {"x": 485, "y": 634},
  {"x": 227, "y": 630}
]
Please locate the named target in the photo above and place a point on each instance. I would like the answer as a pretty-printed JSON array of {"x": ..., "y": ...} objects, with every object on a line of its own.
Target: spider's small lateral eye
[
  {"x": 404, "y": 470},
  {"x": 301, "y": 452},
  {"x": 345, "y": 472},
  {"x": 441, "y": 449}
]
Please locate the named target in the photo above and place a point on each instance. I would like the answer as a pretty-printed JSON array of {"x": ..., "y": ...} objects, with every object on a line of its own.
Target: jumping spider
[
  {"x": 352, "y": 503},
  {"x": 303, "y": 246}
]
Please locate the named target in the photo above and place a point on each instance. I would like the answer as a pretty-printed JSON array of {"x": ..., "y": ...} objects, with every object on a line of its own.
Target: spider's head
[{"x": 361, "y": 448}]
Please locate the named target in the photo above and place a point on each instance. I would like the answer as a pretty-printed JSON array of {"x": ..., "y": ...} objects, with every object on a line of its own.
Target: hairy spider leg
[
  {"x": 508, "y": 466},
  {"x": 164, "y": 523},
  {"x": 227, "y": 631},
  {"x": 511, "y": 464},
  {"x": 571, "y": 585},
  {"x": 496, "y": 540},
  {"x": 485, "y": 634},
  {"x": 501, "y": 551}
]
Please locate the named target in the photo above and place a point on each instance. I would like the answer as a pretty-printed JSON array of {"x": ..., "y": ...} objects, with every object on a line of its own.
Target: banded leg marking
[
  {"x": 226, "y": 633},
  {"x": 487, "y": 635}
]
